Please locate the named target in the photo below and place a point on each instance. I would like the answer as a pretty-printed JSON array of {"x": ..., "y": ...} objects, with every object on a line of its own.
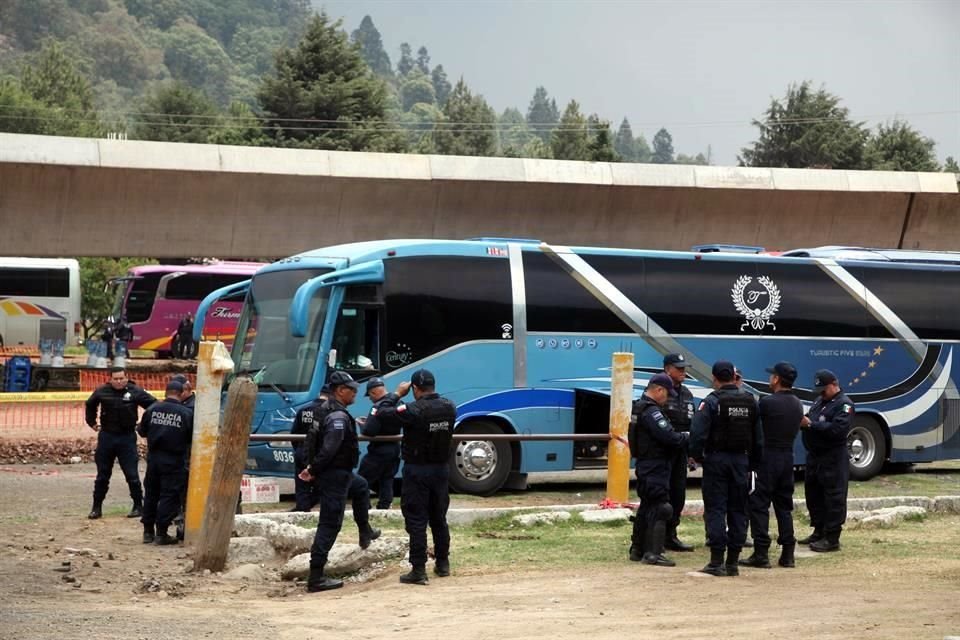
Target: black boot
[
  {"x": 673, "y": 543},
  {"x": 733, "y": 557},
  {"x": 417, "y": 575},
  {"x": 319, "y": 582},
  {"x": 638, "y": 538},
  {"x": 163, "y": 539},
  {"x": 148, "y": 534},
  {"x": 825, "y": 544},
  {"x": 636, "y": 553},
  {"x": 759, "y": 559},
  {"x": 715, "y": 567},
  {"x": 137, "y": 510},
  {"x": 442, "y": 567},
  {"x": 367, "y": 535},
  {"x": 655, "y": 541},
  {"x": 813, "y": 537},
  {"x": 97, "y": 511},
  {"x": 786, "y": 557}
]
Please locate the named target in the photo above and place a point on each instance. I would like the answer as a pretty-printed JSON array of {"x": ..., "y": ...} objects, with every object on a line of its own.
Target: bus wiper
[{"x": 280, "y": 391}]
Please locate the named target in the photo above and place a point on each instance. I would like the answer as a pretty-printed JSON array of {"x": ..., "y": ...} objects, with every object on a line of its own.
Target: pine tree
[
  {"x": 570, "y": 140},
  {"x": 470, "y": 127},
  {"x": 662, "y": 148},
  {"x": 405, "y": 64},
  {"x": 423, "y": 61},
  {"x": 324, "y": 96},
  {"x": 441, "y": 86},
  {"x": 542, "y": 114},
  {"x": 367, "y": 37},
  {"x": 900, "y": 147},
  {"x": 624, "y": 144},
  {"x": 600, "y": 147}
]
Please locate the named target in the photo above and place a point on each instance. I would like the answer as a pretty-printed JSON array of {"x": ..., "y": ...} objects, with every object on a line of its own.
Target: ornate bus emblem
[{"x": 757, "y": 303}]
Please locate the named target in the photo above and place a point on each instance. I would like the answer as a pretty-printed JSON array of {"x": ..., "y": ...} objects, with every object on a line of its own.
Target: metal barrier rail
[{"x": 538, "y": 437}]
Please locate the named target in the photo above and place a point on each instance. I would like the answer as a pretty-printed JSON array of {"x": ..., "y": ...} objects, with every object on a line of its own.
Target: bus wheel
[
  {"x": 867, "y": 447},
  {"x": 479, "y": 467}
]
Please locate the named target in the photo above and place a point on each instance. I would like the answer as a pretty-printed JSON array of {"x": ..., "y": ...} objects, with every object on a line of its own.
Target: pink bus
[{"x": 154, "y": 298}]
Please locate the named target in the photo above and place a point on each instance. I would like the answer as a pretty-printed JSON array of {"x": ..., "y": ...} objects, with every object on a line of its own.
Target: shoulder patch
[
  {"x": 401, "y": 408},
  {"x": 846, "y": 408},
  {"x": 703, "y": 403},
  {"x": 373, "y": 411},
  {"x": 339, "y": 423},
  {"x": 656, "y": 415},
  {"x": 663, "y": 424}
]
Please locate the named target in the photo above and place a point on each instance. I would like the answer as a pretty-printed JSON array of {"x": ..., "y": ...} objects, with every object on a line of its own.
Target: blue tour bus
[{"x": 520, "y": 335}]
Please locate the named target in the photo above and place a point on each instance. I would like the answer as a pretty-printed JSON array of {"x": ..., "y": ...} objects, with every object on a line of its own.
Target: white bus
[{"x": 39, "y": 300}]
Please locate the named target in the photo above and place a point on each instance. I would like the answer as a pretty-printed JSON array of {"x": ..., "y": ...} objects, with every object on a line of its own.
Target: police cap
[
  {"x": 342, "y": 379},
  {"x": 423, "y": 378},
  {"x": 786, "y": 371},
  {"x": 675, "y": 360},
  {"x": 724, "y": 370},
  {"x": 373, "y": 383},
  {"x": 174, "y": 386},
  {"x": 663, "y": 380},
  {"x": 822, "y": 378}
]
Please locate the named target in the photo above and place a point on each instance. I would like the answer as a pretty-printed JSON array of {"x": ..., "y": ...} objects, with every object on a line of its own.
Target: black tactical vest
[
  {"x": 429, "y": 441},
  {"x": 679, "y": 410},
  {"x": 642, "y": 446},
  {"x": 348, "y": 454},
  {"x": 732, "y": 430}
]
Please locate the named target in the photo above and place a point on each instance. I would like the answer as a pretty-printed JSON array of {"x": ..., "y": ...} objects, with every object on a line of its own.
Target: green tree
[
  {"x": 33, "y": 21},
  {"x": 441, "y": 86},
  {"x": 570, "y": 140},
  {"x": 158, "y": 13},
  {"x": 240, "y": 127},
  {"x": 950, "y": 165},
  {"x": 623, "y": 142},
  {"x": 324, "y": 96},
  {"x": 367, "y": 37},
  {"x": 683, "y": 158},
  {"x": 807, "y": 129},
  {"x": 406, "y": 63},
  {"x": 662, "y": 148},
  {"x": 515, "y": 135},
  {"x": 417, "y": 88},
  {"x": 900, "y": 147},
  {"x": 542, "y": 114},
  {"x": 253, "y": 49},
  {"x": 600, "y": 148},
  {"x": 176, "y": 112},
  {"x": 470, "y": 126},
  {"x": 51, "y": 97},
  {"x": 197, "y": 59},
  {"x": 423, "y": 61},
  {"x": 97, "y": 303}
]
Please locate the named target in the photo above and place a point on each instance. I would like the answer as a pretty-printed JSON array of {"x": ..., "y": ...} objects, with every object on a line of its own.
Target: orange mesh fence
[
  {"x": 91, "y": 379},
  {"x": 21, "y": 350},
  {"x": 44, "y": 420}
]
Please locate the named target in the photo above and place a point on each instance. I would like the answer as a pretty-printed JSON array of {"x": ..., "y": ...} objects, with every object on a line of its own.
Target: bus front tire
[
  {"x": 480, "y": 467},
  {"x": 867, "y": 446}
]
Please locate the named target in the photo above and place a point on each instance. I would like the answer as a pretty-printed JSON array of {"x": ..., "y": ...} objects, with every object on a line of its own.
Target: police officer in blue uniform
[
  {"x": 679, "y": 411},
  {"x": 827, "y": 473},
  {"x": 780, "y": 416},
  {"x": 379, "y": 466},
  {"x": 117, "y": 401},
  {"x": 168, "y": 427},
  {"x": 188, "y": 399},
  {"x": 726, "y": 438},
  {"x": 654, "y": 443},
  {"x": 306, "y": 494},
  {"x": 337, "y": 453},
  {"x": 427, "y": 425}
]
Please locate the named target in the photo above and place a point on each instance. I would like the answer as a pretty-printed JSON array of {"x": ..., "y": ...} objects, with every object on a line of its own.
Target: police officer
[
  {"x": 679, "y": 411},
  {"x": 726, "y": 438},
  {"x": 825, "y": 429},
  {"x": 427, "y": 425},
  {"x": 188, "y": 399},
  {"x": 331, "y": 467},
  {"x": 654, "y": 443},
  {"x": 117, "y": 401},
  {"x": 780, "y": 416},
  {"x": 379, "y": 465},
  {"x": 168, "y": 427}
]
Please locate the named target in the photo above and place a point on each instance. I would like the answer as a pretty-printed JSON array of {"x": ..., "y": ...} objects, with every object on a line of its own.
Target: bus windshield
[{"x": 264, "y": 346}]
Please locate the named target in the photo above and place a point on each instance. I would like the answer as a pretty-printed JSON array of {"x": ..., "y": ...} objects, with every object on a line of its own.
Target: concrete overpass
[{"x": 76, "y": 197}]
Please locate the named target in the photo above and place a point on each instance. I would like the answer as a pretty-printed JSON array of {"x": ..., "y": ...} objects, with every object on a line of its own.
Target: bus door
[{"x": 356, "y": 344}]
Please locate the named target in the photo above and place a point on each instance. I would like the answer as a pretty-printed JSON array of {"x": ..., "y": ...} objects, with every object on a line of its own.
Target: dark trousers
[
  {"x": 725, "y": 499},
  {"x": 333, "y": 485},
  {"x": 774, "y": 485},
  {"x": 378, "y": 468},
  {"x": 121, "y": 447},
  {"x": 164, "y": 483},
  {"x": 653, "y": 487},
  {"x": 825, "y": 483},
  {"x": 425, "y": 499},
  {"x": 308, "y": 494},
  {"x": 678, "y": 485},
  {"x": 305, "y": 494}
]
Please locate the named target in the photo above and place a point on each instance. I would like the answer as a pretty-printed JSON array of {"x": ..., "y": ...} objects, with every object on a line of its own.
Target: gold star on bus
[
  {"x": 878, "y": 350},
  {"x": 872, "y": 364}
]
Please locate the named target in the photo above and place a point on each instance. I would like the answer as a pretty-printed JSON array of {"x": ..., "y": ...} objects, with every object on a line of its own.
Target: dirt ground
[{"x": 127, "y": 590}]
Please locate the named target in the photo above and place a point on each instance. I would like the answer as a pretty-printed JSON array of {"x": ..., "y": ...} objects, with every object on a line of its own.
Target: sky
[{"x": 702, "y": 69}]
